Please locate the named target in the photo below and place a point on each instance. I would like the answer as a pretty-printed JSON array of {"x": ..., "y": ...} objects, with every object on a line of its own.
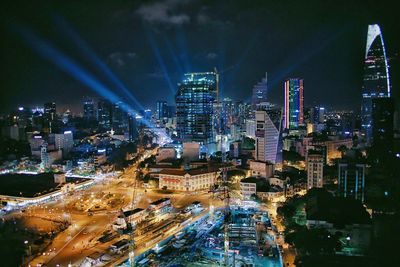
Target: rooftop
[
  {"x": 190, "y": 172},
  {"x": 159, "y": 201}
]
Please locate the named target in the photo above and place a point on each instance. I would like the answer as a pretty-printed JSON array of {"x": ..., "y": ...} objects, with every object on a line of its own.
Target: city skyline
[
  {"x": 171, "y": 50},
  {"x": 199, "y": 133}
]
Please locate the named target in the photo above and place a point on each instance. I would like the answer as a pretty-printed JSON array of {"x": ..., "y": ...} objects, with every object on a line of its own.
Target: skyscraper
[
  {"x": 376, "y": 76},
  {"x": 104, "y": 114},
  {"x": 49, "y": 117},
  {"x": 119, "y": 118},
  {"x": 162, "y": 109},
  {"x": 88, "y": 109},
  {"x": 351, "y": 180},
  {"x": 260, "y": 92},
  {"x": 194, "y": 107},
  {"x": 293, "y": 113},
  {"x": 267, "y": 136},
  {"x": 50, "y": 111}
]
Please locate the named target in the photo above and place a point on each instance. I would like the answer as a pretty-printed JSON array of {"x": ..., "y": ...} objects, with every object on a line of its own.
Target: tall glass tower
[
  {"x": 194, "y": 107},
  {"x": 376, "y": 76},
  {"x": 293, "y": 113}
]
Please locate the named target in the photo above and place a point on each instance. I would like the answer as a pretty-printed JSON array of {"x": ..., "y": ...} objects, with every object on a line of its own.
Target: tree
[{"x": 342, "y": 149}]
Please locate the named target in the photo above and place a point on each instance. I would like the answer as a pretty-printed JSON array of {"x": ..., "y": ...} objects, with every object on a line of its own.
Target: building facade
[
  {"x": 267, "y": 137},
  {"x": 190, "y": 180},
  {"x": 315, "y": 171},
  {"x": 294, "y": 98},
  {"x": 194, "y": 107},
  {"x": 376, "y": 82},
  {"x": 351, "y": 180},
  {"x": 88, "y": 109}
]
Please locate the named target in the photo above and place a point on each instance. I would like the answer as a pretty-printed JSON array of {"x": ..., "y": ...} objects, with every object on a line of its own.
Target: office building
[
  {"x": 50, "y": 111},
  {"x": 317, "y": 115},
  {"x": 194, "y": 107},
  {"x": 351, "y": 179},
  {"x": 294, "y": 98},
  {"x": 64, "y": 142},
  {"x": 162, "y": 110},
  {"x": 260, "y": 92},
  {"x": 88, "y": 109},
  {"x": 120, "y": 123},
  {"x": 376, "y": 82},
  {"x": 44, "y": 157},
  {"x": 104, "y": 114},
  {"x": 315, "y": 170},
  {"x": 267, "y": 137},
  {"x": 49, "y": 117}
]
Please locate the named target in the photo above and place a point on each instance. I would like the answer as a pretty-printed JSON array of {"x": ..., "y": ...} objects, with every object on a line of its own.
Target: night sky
[{"x": 150, "y": 44}]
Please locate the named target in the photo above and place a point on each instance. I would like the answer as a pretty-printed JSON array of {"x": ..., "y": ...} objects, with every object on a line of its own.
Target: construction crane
[{"x": 132, "y": 228}]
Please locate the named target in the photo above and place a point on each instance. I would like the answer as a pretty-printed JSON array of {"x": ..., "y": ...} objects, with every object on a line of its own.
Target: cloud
[
  {"x": 163, "y": 12},
  {"x": 205, "y": 20},
  {"x": 211, "y": 56},
  {"x": 156, "y": 74},
  {"x": 120, "y": 59}
]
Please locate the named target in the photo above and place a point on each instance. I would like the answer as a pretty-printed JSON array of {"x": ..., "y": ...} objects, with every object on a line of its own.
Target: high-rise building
[
  {"x": 376, "y": 77},
  {"x": 50, "y": 111},
  {"x": 88, "y": 109},
  {"x": 317, "y": 115},
  {"x": 64, "y": 142},
  {"x": 119, "y": 118},
  {"x": 267, "y": 137},
  {"x": 44, "y": 157},
  {"x": 294, "y": 97},
  {"x": 104, "y": 114},
  {"x": 162, "y": 110},
  {"x": 49, "y": 116},
  {"x": 194, "y": 107},
  {"x": 351, "y": 179},
  {"x": 383, "y": 124},
  {"x": 132, "y": 124},
  {"x": 315, "y": 170},
  {"x": 260, "y": 92}
]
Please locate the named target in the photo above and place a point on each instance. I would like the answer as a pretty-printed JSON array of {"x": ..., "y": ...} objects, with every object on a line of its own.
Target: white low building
[{"x": 188, "y": 180}]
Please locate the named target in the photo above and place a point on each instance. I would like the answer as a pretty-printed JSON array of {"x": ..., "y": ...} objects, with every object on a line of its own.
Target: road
[{"x": 79, "y": 239}]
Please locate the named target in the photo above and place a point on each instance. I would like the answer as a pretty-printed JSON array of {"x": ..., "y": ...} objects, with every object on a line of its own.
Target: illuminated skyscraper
[
  {"x": 194, "y": 107},
  {"x": 260, "y": 92},
  {"x": 162, "y": 110},
  {"x": 268, "y": 136},
  {"x": 376, "y": 76},
  {"x": 88, "y": 109},
  {"x": 49, "y": 117},
  {"x": 104, "y": 114},
  {"x": 293, "y": 113}
]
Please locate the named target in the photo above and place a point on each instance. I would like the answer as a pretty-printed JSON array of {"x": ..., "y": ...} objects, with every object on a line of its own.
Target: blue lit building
[
  {"x": 194, "y": 107},
  {"x": 351, "y": 180},
  {"x": 88, "y": 109},
  {"x": 376, "y": 77},
  {"x": 162, "y": 110},
  {"x": 104, "y": 114},
  {"x": 293, "y": 112}
]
